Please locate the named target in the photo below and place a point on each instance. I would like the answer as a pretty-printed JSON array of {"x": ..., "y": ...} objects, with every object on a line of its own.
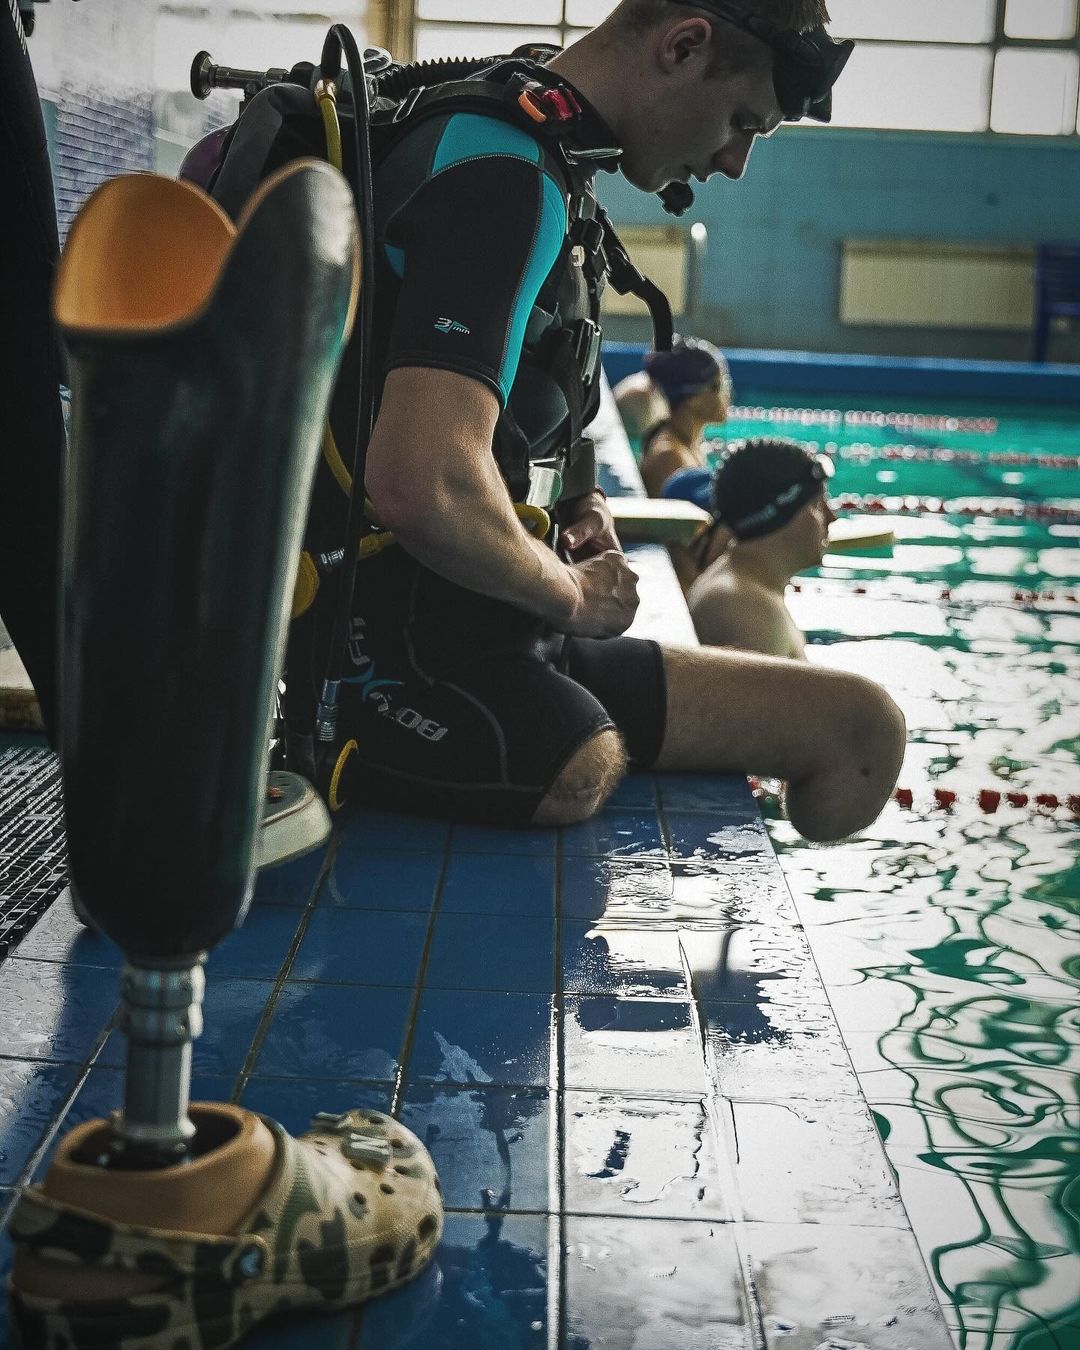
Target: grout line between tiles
[
  {"x": 557, "y": 1309},
  {"x": 270, "y": 1007},
  {"x": 401, "y": 1079}
]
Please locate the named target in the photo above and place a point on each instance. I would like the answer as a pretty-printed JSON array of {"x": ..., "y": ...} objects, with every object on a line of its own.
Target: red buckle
[{"x": 549, "y": 105}]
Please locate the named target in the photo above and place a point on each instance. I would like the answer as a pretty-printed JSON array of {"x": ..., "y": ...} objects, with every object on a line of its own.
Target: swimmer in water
[{"x": 696, "y": 383}]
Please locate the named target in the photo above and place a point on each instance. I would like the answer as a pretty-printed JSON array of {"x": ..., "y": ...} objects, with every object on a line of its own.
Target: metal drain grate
[{"x": 33, "y": 857}]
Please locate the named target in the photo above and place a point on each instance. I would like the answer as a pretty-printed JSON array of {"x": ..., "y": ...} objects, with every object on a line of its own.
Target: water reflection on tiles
[
  {"x": 487, "y": 1287},
  {"x": 339, "y": 1030},
  {"x": 847, "y": 1287},
  {"x": 776, "y": 1050},
  {"x": 464, "y": 1037},
  {"x": 632, "y": 1285},
  {"x": 749, "y": 964},
  {"x": 54, "y": 1012},
  {"x": 616, "y": 959},
  {"x": 30, "y": 1097},
  {"x": 811, "y": 1161},
  {"x": 632, "y": 1045},
  {"x": 642, "y": 1156},
  {"x": 619, "y": 834},
  {"x": 493, "y": 1147}
]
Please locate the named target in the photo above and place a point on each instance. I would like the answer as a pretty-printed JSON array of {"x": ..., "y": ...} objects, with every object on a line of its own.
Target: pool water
[{"x": 949, "y": 939}]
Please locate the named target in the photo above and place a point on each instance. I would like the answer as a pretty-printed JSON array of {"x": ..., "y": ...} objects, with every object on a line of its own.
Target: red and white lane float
[
  {"x": 989, "y": 800},
  {"x": 970, "y": 508}
]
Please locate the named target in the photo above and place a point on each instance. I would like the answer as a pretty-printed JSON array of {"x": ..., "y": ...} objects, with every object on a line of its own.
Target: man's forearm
[{"x": 465, "y": 529}]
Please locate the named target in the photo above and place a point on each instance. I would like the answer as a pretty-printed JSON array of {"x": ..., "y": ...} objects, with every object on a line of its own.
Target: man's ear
[{"x": 685, "y": 41}]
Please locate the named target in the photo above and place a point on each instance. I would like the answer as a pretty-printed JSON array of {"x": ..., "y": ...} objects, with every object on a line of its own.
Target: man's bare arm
[{"x": 435, "y": 483}]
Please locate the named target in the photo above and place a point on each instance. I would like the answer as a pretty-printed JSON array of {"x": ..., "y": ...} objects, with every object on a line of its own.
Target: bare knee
[{"x": 585, "y": 783}]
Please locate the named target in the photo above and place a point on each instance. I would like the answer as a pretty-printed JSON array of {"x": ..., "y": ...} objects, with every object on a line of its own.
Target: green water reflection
[{"x": 950, "y": 942}]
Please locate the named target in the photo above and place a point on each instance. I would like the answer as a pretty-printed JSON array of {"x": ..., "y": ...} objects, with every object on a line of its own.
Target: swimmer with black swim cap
[{"x": 771, "y": 521}]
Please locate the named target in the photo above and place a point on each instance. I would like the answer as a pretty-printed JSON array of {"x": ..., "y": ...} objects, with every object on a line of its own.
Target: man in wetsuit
[{"x": 489, "y": 677}]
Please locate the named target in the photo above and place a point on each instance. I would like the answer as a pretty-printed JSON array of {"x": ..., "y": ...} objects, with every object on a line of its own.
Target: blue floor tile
[
  {"x": 594, "y": 888},
  {"x": 632, "y": 1045},
  {"x": 487, "y": 1287},
  {"x": 493, "y": 1147},
  {"x": 737, "y": 838},
  {"x": 478, "y": 883},
  {"x": 645, "y": 1157},
  {"x": 636, "y": 792},
  {"x": 7, "y": 1332},
  {"x": 290, "y": 884},
  {"x": 661, "y": 1285},
  {"x": 384, "y": 831},
  {"x": 258, "y": 947},
  {"x": 59, "y": 936},
  {"x": 231, "y": 1016},
  {"x": 360, "y": 880},
  {"x": 361, "y": 946},
  {"x": 482, "y": 1038},
  {"x": 615, "y": 959},
  {"x": 293, "y": 1101},
  {"x": 511, "y": 843},
  {"x": 491, "y": 951},
  {"x": 718, "y": 795},
  {"x": 30, "y": 1097},
  {"x": 619, "y": 834},
  {"x": 337, "y": 1031},
  {"x": 54, "y": 1011}
]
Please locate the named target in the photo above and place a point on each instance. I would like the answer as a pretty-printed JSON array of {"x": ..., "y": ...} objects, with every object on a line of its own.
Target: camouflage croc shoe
[{"x": 353, "y": 1210}]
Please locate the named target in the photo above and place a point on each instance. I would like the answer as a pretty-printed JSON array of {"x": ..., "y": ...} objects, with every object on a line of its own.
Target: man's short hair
[{"x": 787, "y": 16}]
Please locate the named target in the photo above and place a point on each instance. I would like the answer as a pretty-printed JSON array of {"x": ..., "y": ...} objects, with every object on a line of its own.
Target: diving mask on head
[{"x": 805, "y": 68}]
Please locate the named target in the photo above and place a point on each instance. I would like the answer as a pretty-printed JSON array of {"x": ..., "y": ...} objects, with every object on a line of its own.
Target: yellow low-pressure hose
[{"x": 326, "y": 98}]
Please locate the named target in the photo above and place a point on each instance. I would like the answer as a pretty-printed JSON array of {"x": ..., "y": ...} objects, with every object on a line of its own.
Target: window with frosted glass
[
  {"x": 914, "y": 88},
  {"x": 914, "y": 20},
  {"x": 521, "y": 12},
  {"x": 439, "y": 39},
  {"x": 1051, "y": 20},
  {"x": 1034, "y": 92},
  {"x": 588, "y": 13}
]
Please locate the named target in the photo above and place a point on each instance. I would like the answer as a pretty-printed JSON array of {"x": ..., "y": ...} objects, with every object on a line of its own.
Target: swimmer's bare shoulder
[{"x": 731, "y": 611}]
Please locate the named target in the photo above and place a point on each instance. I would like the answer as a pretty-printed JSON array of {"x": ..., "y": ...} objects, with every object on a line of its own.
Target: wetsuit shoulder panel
[{"x": 472, "y": 245}]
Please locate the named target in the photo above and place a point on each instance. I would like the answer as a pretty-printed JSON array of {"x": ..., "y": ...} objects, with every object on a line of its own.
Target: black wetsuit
[{"x": 461, "y": 705}]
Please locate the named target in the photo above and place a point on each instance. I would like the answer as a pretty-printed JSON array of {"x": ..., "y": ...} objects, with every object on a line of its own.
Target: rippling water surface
[{"x": 950, "y": 939}]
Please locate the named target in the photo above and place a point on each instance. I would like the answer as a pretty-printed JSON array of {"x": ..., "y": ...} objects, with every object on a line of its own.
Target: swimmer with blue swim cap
[
  {"x": 696, "y": 384},
  {"x": 771, "y": 519}
]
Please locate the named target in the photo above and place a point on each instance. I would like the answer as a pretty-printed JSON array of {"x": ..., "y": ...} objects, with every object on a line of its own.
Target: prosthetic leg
[{"x": 203, "y": 358}]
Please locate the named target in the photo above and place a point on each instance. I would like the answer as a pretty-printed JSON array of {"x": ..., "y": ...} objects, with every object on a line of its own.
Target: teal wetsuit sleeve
[{"x": 473, "y": 245}]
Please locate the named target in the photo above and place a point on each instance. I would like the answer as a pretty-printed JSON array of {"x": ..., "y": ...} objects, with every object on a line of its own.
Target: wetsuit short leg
[{"x": 464, "y": 707}]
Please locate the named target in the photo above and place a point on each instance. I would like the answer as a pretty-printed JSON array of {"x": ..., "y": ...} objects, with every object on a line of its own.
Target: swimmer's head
[
  {"x": 696, "y": 370},
  {"x": 774, "y": 487}
]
